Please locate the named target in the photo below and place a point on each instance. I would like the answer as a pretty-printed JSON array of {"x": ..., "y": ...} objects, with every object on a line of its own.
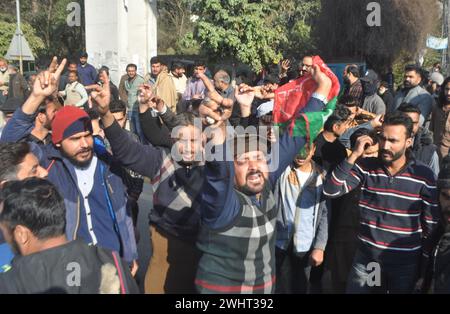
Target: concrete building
[{"x": 119, "y": 32}]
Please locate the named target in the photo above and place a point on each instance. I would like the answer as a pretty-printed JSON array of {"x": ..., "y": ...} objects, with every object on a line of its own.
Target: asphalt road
[{"x": 144, "y": 245}]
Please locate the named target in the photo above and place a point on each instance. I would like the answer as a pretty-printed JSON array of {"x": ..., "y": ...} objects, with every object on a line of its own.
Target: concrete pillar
[{"x": 119, "y": 32}]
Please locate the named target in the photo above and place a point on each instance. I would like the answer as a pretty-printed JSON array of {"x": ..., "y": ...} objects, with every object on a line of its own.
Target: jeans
[
  {"x": 367, "y": 277},
  {"x": 293, "y": 271},
  {"x": 2, "y": 98},
  {"x": 135, "y": 124}
]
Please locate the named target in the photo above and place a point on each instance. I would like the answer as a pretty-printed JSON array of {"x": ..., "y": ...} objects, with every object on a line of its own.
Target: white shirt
[{"x": 85, "y": 178}]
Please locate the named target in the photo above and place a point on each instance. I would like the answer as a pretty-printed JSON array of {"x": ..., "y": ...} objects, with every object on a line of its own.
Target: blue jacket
[
  {"x": 62, "y": 175},
  {"x": 308, "y": 225},
  {"x": 87, "y": 74}
]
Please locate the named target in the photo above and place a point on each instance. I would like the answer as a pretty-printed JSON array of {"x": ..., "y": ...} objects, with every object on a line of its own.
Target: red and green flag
[{"x": 293, "y": 97}]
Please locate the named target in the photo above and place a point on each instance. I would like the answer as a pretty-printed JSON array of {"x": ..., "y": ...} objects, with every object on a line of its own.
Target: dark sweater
[
  {"x": 220, "y": 205},
  {"x": 176, "y": 196},
  {"x": 399, "y": 214},
  {"x": 51, "y": 270}
]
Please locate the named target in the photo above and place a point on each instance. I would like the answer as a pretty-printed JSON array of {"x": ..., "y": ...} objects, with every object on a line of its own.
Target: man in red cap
[{"x": 95, "y": 197}]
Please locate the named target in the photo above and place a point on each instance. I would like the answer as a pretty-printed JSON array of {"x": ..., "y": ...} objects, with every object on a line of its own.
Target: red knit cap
[{"x": 65, "y": 119}]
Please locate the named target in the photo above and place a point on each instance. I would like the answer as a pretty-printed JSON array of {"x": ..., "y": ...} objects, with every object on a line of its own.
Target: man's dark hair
[
  {"x": 155, "y": 60},
  {"x": 200, "y": 63},
  {"x": 348, "y": 101},
  {"x": 399, "y": 118},
  {"x": 185, "y": 119},
  {"x": 415, "y": 68},
  {"x": 442, "y": 95},
  {"x": 72, "y": 62},
  {"x": 353, "y": 69},
  {"x": 339, "y": 116},
  {"x": 76, "y": 73},
  {"x": 104, "y": 69},
  {"x": 11, "y": 155},
  {"x": 177, "y": 65},
  {"x": 384, "y": 84},
  {"x": 93, "y": 114},
  {"x": 36, "y": 204},
  {"x": 118, "y": 106},
  {"x": 131, "y": 65},
  {"x": 409, "y": 108}
]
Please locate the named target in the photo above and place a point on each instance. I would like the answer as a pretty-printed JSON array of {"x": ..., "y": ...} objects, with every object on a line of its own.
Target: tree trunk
[{"x": 34, "y": 6}]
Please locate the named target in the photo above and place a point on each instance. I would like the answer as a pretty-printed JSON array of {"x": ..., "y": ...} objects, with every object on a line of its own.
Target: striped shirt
[{"x": 398, "y": 213}]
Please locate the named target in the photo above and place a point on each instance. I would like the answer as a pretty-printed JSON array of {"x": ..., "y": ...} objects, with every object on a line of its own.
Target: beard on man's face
[
  {"x": 77, "y": 159},
  {"x": 388, "y": 158},
  {"x": 48, "y": 124},
  {"x": 408, "y": 84},
  {"x": 251, "y": 187}
]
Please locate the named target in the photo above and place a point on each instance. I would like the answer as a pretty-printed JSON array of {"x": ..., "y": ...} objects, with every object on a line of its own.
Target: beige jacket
[
  {"x": 165, "y": 89},
  {"x": 440, "y": 126}
]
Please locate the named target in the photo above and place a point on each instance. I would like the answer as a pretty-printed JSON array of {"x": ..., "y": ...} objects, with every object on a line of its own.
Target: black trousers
[{"x": 293, "y": 271}]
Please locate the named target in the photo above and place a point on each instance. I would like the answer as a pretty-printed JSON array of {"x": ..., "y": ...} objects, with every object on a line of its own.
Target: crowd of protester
[{"x": 363, "y": 207}]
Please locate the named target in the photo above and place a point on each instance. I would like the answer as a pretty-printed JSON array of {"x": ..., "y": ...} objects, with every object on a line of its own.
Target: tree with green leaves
[
  {"x": 240, "y": 30},
  {"x": 299, "y": 18},
  {"x": 7, "y": 31},
  {"x": 175, "y": 27},
  {"x": 47, "y": 19}
]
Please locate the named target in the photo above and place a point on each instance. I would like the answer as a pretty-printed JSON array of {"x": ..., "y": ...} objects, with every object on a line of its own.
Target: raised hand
[
  {"x": 158, "y": 104},
  {"x": 46, "y": 82},
  {"x": 377, "y": 122},
  {"x": 361, "y": 145},
  {"x": 322, "y": 80},
  {"x": 145, "y": 93},
  {"x": 245, "y": 95},
  {"x": 213, "y": 114},
  {"x": 319, "y": 76},
  {"x": 102, "y": 98},
  {"x": 285, "y": 66}
]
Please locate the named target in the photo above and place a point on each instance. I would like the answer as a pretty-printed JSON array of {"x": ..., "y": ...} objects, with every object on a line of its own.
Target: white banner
[{"x": 437, "y": 43}]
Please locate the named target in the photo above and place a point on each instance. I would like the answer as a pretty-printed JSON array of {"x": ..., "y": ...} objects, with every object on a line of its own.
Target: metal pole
[
  {"x": 443, "y": 34},
  {"x": 447, "y": 12},
  {"x": 20, "y": 34}
]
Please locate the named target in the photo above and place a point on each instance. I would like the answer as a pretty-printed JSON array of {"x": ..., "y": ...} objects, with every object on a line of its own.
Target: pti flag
[{"x": 291, "y": 98}]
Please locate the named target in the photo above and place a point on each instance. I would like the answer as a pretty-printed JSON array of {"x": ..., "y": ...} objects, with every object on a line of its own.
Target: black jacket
[
  {"x": 73, "y": 268},
  {"x": 440, "y": 265},
  {"x": 423, "y": 147},
  {"x": 388, "y": 99}
]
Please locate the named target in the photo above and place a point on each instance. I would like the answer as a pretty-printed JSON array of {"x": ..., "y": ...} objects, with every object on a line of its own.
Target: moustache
[
  {"x": 84, "y": 150},
  {"x": 253, "y": 173},
  {"x": 384, "y": 151}
]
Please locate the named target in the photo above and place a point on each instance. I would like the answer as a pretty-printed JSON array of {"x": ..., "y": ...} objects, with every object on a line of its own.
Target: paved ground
[{"x": 144, "y": 245}]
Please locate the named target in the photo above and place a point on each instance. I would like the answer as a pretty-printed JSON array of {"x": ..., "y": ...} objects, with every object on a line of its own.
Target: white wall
[{"x": 119, "y": 32}]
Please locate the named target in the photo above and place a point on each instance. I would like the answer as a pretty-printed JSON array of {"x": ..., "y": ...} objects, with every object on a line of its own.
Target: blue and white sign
[{"x": 437, "y": 43}]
